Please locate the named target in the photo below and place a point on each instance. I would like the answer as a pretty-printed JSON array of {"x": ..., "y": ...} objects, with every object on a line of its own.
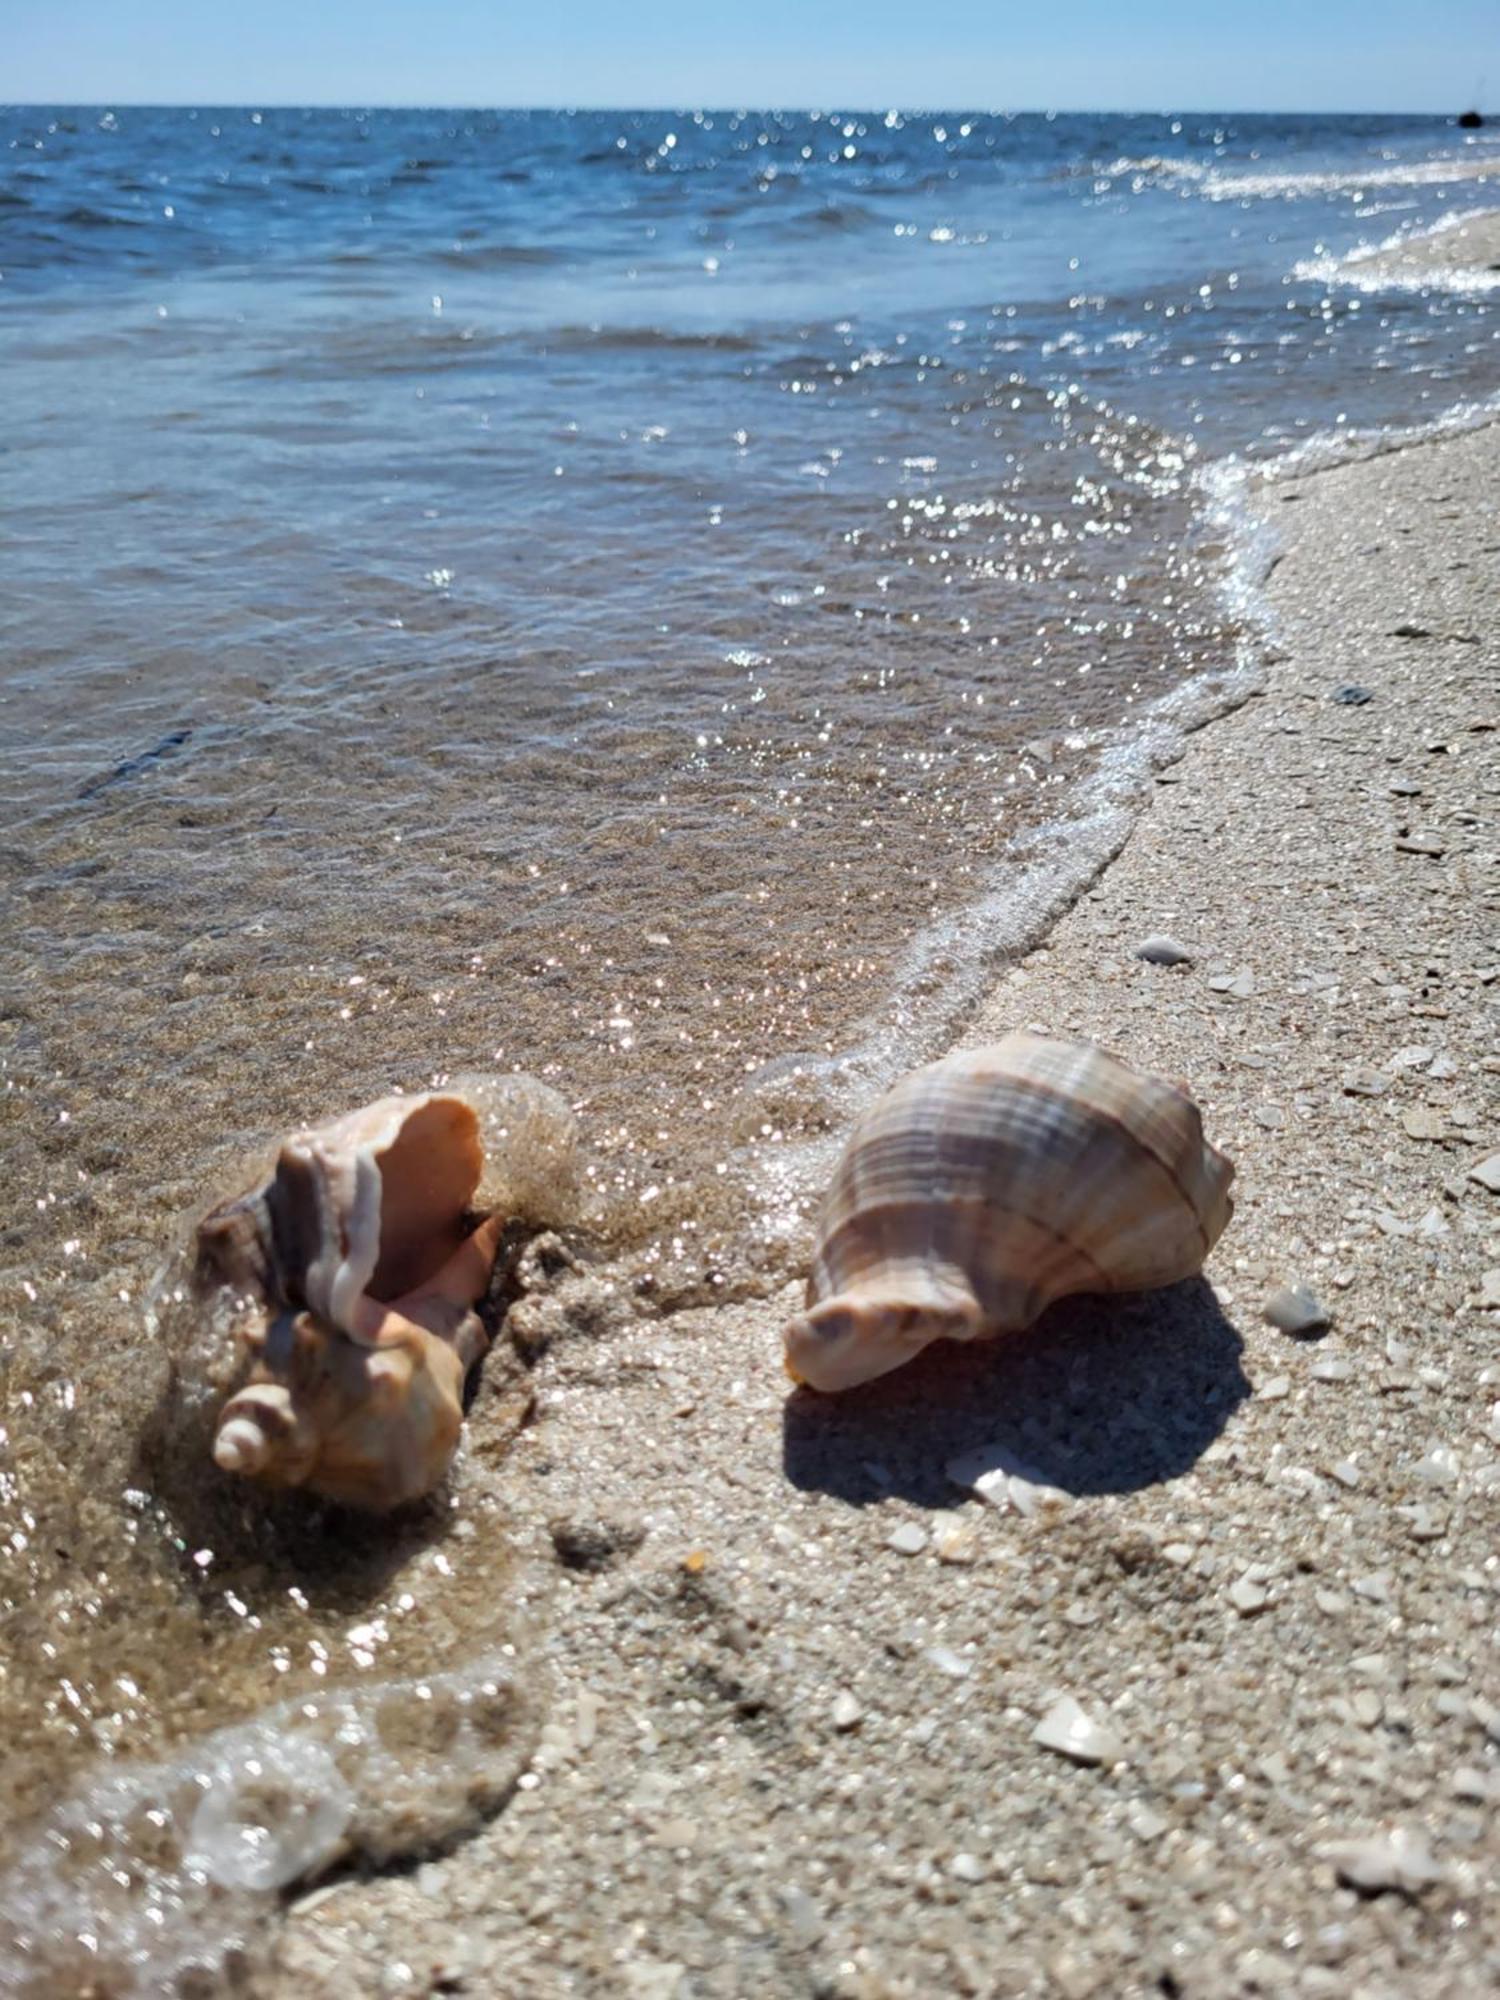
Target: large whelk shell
[
  {"x": 358, "y": 1267},
  {"x": 985, "y": 1186}
]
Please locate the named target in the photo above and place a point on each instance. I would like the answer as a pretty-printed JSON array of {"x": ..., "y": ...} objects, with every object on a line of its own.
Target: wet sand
[{"x": 783, "y": 1753}]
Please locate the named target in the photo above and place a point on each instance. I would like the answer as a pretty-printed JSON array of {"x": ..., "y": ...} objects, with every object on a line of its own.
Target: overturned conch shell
[
  {"x": 983, "y": 1187},
  {"x": 360, "y": 1268}
]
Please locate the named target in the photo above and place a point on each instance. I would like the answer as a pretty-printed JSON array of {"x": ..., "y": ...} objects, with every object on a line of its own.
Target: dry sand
[{"x": 791, "y": 1674}]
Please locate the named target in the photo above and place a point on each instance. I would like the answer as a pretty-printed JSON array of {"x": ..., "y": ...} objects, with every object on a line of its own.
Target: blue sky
[{"x": 982, "y": 54}]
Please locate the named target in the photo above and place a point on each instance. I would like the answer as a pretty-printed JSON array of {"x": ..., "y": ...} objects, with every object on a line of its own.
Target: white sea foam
[
  {"x": 1222, "y": 183},
  {"x": 144, "y": 1874},
  {"x": 1354, "y": 444},
  {"x": 1426, "y": 259}
]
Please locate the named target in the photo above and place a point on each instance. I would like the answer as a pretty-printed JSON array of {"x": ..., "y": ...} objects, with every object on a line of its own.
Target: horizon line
[{"x": 833, "y": 107}]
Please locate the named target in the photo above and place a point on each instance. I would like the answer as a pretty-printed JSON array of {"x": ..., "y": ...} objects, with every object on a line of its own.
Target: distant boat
[{"x": 1471, "y": 120}]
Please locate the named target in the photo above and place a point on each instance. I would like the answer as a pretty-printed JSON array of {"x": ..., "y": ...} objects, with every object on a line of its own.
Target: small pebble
[
  {"x": 1425, "y": 1525},
  {"x": 1158, "y": 949},
  {"x": 1273, "y": 1391},
  {"x": 1489, "y": 1289},
  {"x": 1067, "y": 1729},
  {"x": 1420, "y": 1123},
  {"x": 1271, "y": 1116},
  {"x": 595, "y": 1541},
  {"x": 1413, "y": 1056},
  {"x": 1351, "y": 695},
  {"x": 1331, "y": 1368},
  {"x": 586, "y": 1718},
  {"x": 1294, "y": 1309},
  {"x": 1439, "y": 1467},
  {"x": 1239, "y": 985},
  {"x": 847, "y": 1713},
  {"x": 948, "y": 1662},
  {"x": 954, "y": 1539},
  {"x": 804, "y": 1919},
  {"x": 1421, "y": 843},
  {"x": 1247, "y": 1596},
  {"x": 1487, "y": 1173},
  {"x": 1346, "y": 1472},
  {"x": 907, "y": 1539},
  {"x": 1363, "y": 1082},
  {"x": 967, "y": 1867}
]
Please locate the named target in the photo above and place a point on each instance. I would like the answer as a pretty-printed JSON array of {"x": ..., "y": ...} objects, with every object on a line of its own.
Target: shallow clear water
[{"x": 661, "y": 602}]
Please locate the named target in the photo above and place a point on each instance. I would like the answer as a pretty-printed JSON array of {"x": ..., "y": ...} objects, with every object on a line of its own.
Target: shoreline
[
  {"x": 1458, "y": 253},
  {"x": 781, "y": 1755}
]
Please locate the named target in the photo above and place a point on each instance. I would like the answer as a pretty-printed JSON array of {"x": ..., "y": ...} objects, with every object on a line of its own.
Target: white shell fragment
[
  {"x": 986, "y": 1186},
  {"x": 1072, "y": 1732},
  {"x": 1399, "y": 1859},
  {"x": 1003, "y": 1479}
]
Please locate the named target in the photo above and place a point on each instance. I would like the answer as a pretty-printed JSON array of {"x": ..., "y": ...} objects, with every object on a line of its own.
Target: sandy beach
[{"x": 789, "y": 1674}]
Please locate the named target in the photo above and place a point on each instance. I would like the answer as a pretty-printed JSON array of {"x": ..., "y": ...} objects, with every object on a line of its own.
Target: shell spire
[{"x": 984, "y": 1187}]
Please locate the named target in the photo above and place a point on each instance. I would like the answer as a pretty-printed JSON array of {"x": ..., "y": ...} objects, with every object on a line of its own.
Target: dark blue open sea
[{"x": 667, "y": 602}]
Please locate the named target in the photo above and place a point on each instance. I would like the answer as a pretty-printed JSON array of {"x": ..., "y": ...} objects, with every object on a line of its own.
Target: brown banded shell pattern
[{"x": 983, "y": 1187}]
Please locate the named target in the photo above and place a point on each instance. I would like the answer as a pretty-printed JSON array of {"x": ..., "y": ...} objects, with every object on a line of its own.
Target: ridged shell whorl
[{"x": 983, "y": 1187}]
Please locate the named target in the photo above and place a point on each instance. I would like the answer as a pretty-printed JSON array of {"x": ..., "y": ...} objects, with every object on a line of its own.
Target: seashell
[
  {"x": 358, "y": 1268},
  {"x": 983, "y": 1187}
]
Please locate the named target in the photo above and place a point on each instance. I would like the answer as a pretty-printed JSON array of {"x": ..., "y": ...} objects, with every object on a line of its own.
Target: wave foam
[
  {"x": 1218, "y": 183},
  {"x": 1460, "y": 254},
  {"x": 147, "y": 1874}
]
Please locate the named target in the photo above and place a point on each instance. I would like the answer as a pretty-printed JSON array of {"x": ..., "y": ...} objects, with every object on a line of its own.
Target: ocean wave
[
  {"x": 1451, "y": 255},
  {"x": 1239, "y": 475},
  {"x": 84, "y": 217},
  {"x": 1216, "y": 182},
  {"x": 628, "y": 339},
  {"x": 399, "y": 349},
  {"x": 498, "y": 256}
]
